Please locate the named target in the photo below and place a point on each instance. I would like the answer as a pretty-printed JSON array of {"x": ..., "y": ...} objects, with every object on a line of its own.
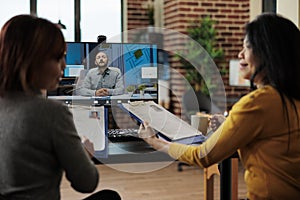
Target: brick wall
[
  {"x": 137, "y": 16},
  {"x": 230, "y": 15}
]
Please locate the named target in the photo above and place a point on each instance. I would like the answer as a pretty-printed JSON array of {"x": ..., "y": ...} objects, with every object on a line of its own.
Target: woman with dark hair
[
  {"x": 264, "y": 126},
  {"x": 38, "y": 138}
]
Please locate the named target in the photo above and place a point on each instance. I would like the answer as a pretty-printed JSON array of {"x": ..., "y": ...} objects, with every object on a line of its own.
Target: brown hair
[{"x": 26, "y": 42}]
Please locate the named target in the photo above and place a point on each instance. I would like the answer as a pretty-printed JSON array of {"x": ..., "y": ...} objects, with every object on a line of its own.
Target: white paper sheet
[{"x": 89, "y": 122}]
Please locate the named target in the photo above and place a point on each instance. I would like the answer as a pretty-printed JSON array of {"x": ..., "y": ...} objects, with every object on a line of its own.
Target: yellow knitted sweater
[{"x": 268, "y": 146}]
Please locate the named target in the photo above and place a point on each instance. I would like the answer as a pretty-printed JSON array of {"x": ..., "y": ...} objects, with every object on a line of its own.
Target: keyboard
[{"x": 123, "y": 135}]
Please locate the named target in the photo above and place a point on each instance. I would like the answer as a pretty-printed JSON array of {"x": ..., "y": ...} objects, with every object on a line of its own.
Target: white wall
[
  {"x": 255, "y": 8},
  {"x": 289, "y": 9}
]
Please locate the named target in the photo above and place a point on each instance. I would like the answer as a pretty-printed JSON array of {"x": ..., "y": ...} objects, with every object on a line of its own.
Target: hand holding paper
[
  {"x": 149, "y": 135},
  {"x": 146, "y": 131}
]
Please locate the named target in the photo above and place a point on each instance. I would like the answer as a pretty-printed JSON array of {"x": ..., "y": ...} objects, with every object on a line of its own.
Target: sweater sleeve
[
  {"x": 185, "y": 153},
  {"x": 79, "y": 169},
  {"x": 239, "y": 129}
]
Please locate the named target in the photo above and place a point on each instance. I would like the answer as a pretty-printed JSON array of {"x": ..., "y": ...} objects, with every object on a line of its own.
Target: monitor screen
[
  {"x": 137, "y": 62},
  {"x": 77, "y": 57}
]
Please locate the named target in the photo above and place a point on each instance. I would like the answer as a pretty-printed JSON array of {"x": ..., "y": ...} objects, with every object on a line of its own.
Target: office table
[
  {"x": 99, "y": 101},
  {"x": 131, "y": 152},
  {"x": 139, "y": 151}
]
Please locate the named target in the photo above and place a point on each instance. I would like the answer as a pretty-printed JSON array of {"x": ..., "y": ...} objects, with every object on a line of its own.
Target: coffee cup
[{"x": 200, "y": 122}]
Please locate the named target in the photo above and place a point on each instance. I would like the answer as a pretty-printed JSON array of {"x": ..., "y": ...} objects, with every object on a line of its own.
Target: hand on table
[{"x": 102, "y": 92}]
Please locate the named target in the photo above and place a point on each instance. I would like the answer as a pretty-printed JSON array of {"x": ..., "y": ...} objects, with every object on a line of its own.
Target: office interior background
[{"x": 85, "y": 20}]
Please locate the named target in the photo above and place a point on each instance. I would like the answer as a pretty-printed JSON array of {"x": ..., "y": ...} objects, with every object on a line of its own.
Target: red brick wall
[
  {"x": 137, "y": 16},
  {"x": 230, "y": 15}
]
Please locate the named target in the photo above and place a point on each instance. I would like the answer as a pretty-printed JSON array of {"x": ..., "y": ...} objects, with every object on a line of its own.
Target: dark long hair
[
  {"x": 26, "y": 43},
  {"x": 275, "y": 41}
]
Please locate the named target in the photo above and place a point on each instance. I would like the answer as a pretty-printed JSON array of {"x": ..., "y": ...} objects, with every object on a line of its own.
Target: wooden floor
[{"x": 161, "y": 184}]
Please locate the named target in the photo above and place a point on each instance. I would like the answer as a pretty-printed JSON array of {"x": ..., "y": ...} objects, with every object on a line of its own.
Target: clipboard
[
  {"x": 168, "y": 126},
  {"x": 90, "y": 122}
]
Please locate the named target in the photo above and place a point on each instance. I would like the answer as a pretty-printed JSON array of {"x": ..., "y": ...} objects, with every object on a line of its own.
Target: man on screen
[{"x": 102, "y": 80}]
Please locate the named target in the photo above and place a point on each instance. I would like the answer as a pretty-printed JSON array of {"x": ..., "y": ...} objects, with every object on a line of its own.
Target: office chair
[{"x": 106, "y": 194}]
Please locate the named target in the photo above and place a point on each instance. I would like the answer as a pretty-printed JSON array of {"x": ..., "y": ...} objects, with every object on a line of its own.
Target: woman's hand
[
  {"x": 216, "y": 120},
  {"x": 149, "y": 136},
  {"x": 88, "y": 146},
  {"x": 146, "y": 131}
]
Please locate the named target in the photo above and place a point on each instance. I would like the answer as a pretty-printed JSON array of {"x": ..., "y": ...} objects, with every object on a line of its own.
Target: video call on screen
[{"x": 137, "y": 62}]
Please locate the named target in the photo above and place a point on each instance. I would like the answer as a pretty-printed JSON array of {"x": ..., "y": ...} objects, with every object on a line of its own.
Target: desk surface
[
  {"x": 100, "y": 101},
  {"x": 146, "y": 96},
  {"x": 132, "y": 152}
]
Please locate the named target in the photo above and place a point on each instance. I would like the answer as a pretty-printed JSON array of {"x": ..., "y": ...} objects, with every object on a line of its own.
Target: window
[
  {"x": 12, "y": 8},
  {"x": 59, "y": 10},
  {"x": 269, "y": 6},
  {"x": 98, "y": 17},
  {"x": 102, "y": 17},
  {"x": 259, "y": 6}
]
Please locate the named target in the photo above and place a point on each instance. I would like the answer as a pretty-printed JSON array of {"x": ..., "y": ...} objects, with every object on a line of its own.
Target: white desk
[{"x": 146, "y": 96}]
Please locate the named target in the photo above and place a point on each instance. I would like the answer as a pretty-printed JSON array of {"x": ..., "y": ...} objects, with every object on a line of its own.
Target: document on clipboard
[
  {"x": 169, "y": 126},
  {"x": 89, "y": 122}
]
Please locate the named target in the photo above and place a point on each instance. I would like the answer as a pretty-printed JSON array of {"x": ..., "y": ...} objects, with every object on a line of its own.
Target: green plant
[
  {"x": 142, "y": 87},
  {"x": 130, "y": 88},
  {"x": 203, "y": 32}
]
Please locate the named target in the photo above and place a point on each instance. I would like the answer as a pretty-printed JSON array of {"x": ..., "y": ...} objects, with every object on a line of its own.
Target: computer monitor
[
  {"x": 140, "y": 64},
  {"x": 78, "y": 58},
  {"x": 136, "y": 61}
]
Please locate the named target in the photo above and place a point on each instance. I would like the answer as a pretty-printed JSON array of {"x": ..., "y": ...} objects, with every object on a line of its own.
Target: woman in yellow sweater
[{"x": 264, "y": 126}]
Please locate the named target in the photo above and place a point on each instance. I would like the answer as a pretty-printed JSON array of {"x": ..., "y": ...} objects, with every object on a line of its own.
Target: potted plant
[
  {"x": 203, "y": 32},
  {"x": 142, "y": 88},
  {"x": 130, "y": 89}
]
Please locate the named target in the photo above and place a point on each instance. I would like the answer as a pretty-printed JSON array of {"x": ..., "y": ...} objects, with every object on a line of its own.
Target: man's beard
[{"x": 102, "y": 64}]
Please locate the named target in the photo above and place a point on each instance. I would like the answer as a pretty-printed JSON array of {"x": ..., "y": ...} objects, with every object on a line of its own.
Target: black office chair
[{"x": 106, "y": 194}]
